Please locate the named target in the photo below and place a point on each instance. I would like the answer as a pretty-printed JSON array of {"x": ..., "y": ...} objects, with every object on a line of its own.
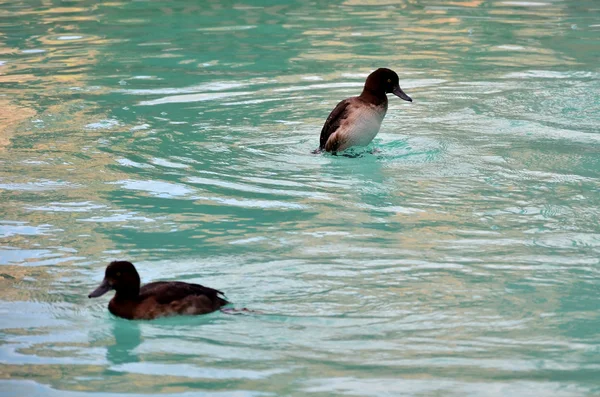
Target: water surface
[{"x": 461, "y": 258}]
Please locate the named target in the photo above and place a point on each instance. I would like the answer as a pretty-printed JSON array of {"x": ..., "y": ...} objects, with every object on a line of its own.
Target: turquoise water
[{"x": 460, "y": 259}]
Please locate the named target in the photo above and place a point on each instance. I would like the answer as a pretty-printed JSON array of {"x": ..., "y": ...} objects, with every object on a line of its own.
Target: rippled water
[{"x": 462, "y": 258}]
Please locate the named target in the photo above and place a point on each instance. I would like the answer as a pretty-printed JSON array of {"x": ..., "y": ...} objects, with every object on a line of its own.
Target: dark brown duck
[{"x": 153, "y": 300}]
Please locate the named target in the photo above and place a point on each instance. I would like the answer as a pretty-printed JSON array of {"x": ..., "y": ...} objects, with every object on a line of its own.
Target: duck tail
[{"x": 222, "y": 301}]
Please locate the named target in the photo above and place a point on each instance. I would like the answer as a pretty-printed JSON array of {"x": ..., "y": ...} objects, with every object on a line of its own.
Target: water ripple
[{"x": 456, "y": 255}]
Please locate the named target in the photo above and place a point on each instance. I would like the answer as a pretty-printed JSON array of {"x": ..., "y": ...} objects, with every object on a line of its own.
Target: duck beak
[
  {"x": 102, "y": 289},
  {"x": 400, "y": 94}
]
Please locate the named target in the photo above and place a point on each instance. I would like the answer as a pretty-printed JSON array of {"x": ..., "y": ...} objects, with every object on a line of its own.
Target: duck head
[
  {"x": 120, "y": 276},
  {"x": 385, "y": 81}
]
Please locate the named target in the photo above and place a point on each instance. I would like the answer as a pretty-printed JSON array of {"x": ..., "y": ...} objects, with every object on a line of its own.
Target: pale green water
[{"x": 463, "y": 259}]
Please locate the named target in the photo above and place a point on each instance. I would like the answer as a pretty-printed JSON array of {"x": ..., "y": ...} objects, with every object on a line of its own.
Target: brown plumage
[{"x": 157, "y": 299}]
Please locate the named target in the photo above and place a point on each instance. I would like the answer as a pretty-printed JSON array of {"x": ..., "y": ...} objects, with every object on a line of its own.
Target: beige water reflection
[{"x": 11, "y": 118}]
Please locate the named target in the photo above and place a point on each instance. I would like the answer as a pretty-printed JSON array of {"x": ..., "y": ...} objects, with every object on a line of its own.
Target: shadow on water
[{"x": 127, "y": 337}]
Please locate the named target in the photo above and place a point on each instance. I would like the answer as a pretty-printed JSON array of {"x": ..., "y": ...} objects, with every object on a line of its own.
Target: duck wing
[
  {"x": 333, "y": 122},
  {"x": 166, "y": 292}
]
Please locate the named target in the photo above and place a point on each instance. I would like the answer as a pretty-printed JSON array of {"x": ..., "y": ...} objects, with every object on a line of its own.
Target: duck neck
[
  {"x": 377, "y": 97},
  {"x": 129, "y": 294}
]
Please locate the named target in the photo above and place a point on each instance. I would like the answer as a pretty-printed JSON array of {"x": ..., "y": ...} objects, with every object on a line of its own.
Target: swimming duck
[
  {"x": 355, "y": 121},
  {"x": 157, "y": 299}
]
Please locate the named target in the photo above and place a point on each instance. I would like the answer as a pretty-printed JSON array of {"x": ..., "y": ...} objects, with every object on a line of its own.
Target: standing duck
[{"x": 355, "y": 121}]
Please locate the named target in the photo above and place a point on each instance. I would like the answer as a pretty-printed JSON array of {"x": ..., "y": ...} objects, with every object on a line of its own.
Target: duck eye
[
  {"x": 389, "y": 80},
  {"x": 118, "y": 274}
]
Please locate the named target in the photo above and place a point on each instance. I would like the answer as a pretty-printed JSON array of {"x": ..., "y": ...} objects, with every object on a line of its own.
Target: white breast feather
[{"x": 361, "y": 126}]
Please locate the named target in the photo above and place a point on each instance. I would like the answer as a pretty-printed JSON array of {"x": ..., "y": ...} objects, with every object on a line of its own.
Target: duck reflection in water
[{"x": 128, "y": 337}]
